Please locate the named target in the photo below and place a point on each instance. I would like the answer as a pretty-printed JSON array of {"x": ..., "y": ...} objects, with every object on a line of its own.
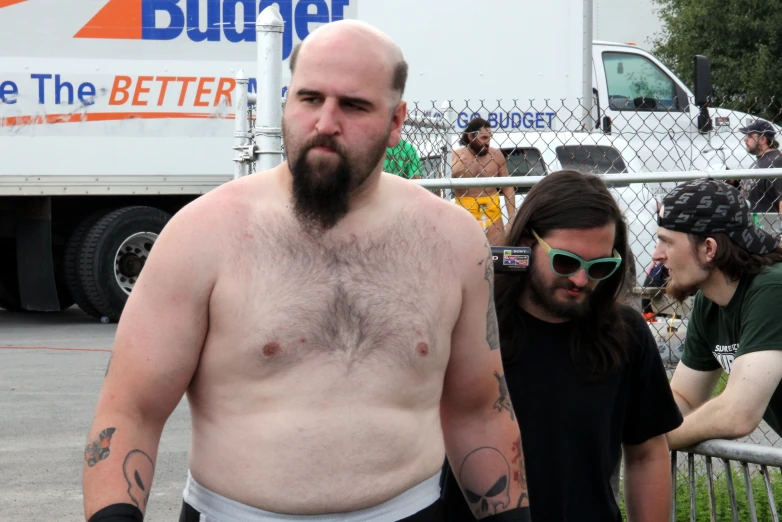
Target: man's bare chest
[
  {"x": 396, "y": 296},
  {"x": 481, "y": 166}
]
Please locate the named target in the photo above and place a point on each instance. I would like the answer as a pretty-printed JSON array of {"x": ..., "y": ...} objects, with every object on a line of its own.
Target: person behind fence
[
  {"x": 403, "y": 161},
  {"x": 583, "y": 371},
  {"x": 476, "y": 159},
  {"x": 713, "y": 250},
  {"x": 331, "y": 325},
  {"x": 764, "y": 195}
]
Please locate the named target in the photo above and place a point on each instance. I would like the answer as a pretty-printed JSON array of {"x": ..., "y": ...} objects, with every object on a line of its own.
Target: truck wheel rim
[{"x": 131, "y": 257}]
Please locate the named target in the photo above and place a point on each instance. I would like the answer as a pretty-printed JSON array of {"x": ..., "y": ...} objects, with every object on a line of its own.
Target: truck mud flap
[{"x": 34, "y": 258}]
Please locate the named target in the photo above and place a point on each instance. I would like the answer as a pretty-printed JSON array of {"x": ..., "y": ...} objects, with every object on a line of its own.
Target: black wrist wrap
[{"x": 118, "y": 513}]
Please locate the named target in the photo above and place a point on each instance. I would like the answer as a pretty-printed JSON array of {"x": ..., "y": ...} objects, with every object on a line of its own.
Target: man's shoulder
[
  {"x": 769, "y": 276},
  {"x": 633, "y": 320},
  {"x": 452, "y": 216},
  {"x": 496, "y": 153},
  {"x": 461, "y": 151},
  {"x": 238, "y": 201},
  {"x": 771, "y": 159}
]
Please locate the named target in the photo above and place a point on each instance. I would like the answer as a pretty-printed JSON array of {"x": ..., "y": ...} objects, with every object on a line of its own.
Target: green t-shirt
[
  {"x": 402, "y": 160},
  {"x": 750, "y": 322}
]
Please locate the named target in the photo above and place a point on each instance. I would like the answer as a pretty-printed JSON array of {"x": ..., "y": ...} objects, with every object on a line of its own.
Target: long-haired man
[{"x": 582, "y": 370}]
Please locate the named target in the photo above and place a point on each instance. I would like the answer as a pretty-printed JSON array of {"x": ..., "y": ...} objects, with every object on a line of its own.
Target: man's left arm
[
  {"x": 647, "y": 480},
  {"x": 738, "y": 410},
  {"x": 508, "y": 192},
  {"x": 651, "y": 412},
  {"x": 482, "y": 438}
]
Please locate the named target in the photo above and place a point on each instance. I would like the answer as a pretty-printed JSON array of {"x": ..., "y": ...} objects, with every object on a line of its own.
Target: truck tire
[
  {"x": 70, "y": 263},
  {"x": 113, "y": 253}
]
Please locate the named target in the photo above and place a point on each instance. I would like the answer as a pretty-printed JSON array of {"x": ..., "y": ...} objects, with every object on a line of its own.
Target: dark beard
[
  {"x": 478, "y": 149},
  {"x": 321, "y": 194},
  {"x": 544, "y": 297},
  {"x": 680, "y": 292},
  {"x": 320, "y": 199}
]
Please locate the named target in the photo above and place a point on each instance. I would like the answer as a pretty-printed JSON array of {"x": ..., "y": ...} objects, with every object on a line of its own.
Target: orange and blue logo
[{"x": 217, "y": 21}]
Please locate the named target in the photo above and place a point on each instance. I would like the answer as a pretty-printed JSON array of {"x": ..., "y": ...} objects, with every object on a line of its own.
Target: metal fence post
[
  {"x": 268, "y": 128},
  {"x": 241, "y": 125},
  {"x": 586, "y": 57},
  {"x": 451, "y": 139}
]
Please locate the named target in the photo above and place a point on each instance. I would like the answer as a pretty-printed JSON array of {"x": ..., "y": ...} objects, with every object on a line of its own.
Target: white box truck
[{"x": 116, "y": 113}]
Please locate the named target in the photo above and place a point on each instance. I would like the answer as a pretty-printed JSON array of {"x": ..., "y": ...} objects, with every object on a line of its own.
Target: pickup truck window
[
  {"x": 524, "y": 162},
  {"x": 635, "y": 83},
  {"x": 591, "y": 159}
]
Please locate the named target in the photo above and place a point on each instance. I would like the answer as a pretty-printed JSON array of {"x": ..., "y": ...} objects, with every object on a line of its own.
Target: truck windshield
[
  {"x": 635, "y": 83},
  {"x": 524, "y": 162},
  {"x": 591, "y": 159}
]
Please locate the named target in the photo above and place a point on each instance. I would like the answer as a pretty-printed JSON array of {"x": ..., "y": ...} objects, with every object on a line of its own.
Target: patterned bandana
[{"x": 708, "y": 206}]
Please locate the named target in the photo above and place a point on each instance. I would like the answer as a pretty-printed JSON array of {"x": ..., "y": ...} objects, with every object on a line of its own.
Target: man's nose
[
  {"x": 580, "y": 278},
  {"x": 658, "y": 256},
  {"x": 328, "y": 119}
]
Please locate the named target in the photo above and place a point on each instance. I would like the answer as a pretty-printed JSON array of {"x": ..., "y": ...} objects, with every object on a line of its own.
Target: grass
[{"x": 722, "y": 498}]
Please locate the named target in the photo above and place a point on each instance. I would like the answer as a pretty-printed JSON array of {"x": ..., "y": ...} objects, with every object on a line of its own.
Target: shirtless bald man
[
  {"x": 478, "y": 160},
  {"x": 332, "y": 326}
]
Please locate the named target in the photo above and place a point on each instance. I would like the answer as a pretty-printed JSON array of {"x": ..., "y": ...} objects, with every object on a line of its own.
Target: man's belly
[{"x": 337, "y": 459}]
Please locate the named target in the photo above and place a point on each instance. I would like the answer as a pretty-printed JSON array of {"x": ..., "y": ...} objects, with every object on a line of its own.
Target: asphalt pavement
[{"x": 51, "y": 370}]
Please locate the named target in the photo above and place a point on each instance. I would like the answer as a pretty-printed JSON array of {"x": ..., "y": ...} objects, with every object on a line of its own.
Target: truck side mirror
[
  {"x": 703, "y": 92},
  {"x": 703, "y": 89}
]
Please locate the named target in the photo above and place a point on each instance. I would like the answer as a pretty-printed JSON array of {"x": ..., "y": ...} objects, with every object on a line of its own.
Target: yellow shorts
[{"x": 491, "y": 207}]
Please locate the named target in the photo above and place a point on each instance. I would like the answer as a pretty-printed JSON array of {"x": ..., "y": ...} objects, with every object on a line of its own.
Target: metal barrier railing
[{"x": 728, "y": 452}]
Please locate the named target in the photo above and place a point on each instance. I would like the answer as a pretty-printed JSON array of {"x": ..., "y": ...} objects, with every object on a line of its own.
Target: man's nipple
[{"x": 271, "y": 350}]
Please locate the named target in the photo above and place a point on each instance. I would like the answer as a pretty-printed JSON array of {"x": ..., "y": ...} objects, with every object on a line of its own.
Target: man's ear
[
  {"x": 397, "y": 121},
  {"x": 709, "y": 249}
]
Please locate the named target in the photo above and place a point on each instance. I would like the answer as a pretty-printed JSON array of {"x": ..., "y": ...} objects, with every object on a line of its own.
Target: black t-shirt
[
  {"x": 572, "y": 429},
  {"x": 765, "y": 194}
]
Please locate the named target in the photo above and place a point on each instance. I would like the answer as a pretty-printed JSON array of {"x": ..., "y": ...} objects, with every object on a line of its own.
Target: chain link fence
[{"x": 632, "y": 144}]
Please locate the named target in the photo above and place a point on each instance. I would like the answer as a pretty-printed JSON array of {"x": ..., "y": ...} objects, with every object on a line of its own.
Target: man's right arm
[
  {"x": 458, "y": 168},
  {"x": 692, "y": 388},
  {"x": 698, "y": 371},
  {"x": 156, "y": 351}
]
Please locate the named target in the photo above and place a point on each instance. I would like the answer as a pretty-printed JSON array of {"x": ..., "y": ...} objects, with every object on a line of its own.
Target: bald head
[{"x": 357, "y": 35}]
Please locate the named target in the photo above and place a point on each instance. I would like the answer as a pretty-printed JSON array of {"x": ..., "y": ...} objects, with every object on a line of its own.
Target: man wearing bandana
[{"x": 707, "y": 240}]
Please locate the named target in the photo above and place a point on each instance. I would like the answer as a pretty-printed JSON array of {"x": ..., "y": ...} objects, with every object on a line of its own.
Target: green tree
[{"x": 741, "y": 38}]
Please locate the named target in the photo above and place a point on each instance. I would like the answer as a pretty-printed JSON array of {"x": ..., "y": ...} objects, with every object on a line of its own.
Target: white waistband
[{"x": 216, "y": 508}]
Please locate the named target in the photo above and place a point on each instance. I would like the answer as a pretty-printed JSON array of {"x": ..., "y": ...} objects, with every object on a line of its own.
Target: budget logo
[{"x": 207, "y": 21}]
